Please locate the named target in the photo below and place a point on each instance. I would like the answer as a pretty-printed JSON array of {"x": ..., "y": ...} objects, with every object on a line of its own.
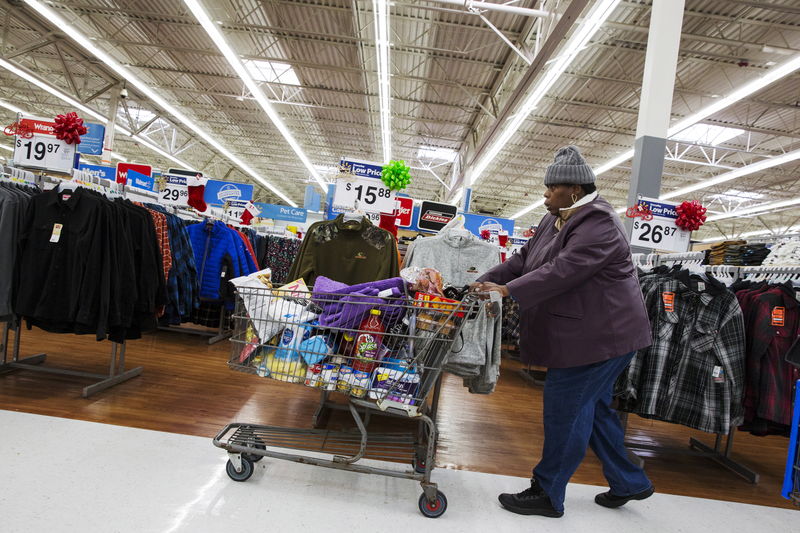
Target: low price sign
[
  {"x": 367, "y": 194},
  {"x": 660, "y": 232},
  {"x": 175, "y": 191},
  {"x": 43, "y": 150}
]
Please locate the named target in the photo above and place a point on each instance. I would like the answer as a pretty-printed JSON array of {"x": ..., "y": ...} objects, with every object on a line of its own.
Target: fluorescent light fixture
[
  {"x": 707, "y": 134},
  {"x": 771, "y": 76},
  {"x": 232, "y": 57},
  {"x": 87, "y": 110},
  {"x": 10, "y": 107},
  {"x": 600, "y": 12},
  {"x": 457, "y": 197},
  {"x": 733, "y": 174},
  {"x": 527, "y": 210},
  {"x": 755, "y": 210},
  {"x": 55, "y": 92},
  {"x": 134, "y": 80},
  {"x": 6, "y": 147},
  {"x": 778, "y": 232},
  {"x": 733, "y": 194},
  {"x": 271, "y": 72},
  {"x": 380, "y": 12},
  {"x": 433, "y": 152}
]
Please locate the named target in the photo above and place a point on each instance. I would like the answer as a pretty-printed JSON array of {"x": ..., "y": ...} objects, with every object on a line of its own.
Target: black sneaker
[
  {"x": 611, "y": 501},
  {"x": 532, "y": 501}
]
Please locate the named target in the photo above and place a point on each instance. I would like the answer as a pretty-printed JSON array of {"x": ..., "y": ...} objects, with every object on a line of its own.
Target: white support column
[
  {"x": 658, "y": 82},
  {"x": 111, "y": 126}
]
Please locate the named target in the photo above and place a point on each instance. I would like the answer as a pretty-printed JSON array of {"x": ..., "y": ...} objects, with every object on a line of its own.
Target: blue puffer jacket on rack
[{"x": 216, "y": 245}]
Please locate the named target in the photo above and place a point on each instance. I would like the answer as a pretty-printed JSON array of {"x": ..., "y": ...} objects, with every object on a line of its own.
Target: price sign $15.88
[{"x": 371, "y": 195}]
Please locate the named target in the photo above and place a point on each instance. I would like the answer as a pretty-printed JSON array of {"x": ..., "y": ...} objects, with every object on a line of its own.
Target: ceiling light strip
[
  {"x": 380, "y": 11},
  {"x": 576, "y": 43},
  {"x": 734, "y": 174},
  {"x": 87, "y": 111},
  {"x": 755, "y": 210},
  {"x": 232, "y": 57},
  {"x": 133, "y": 80}
]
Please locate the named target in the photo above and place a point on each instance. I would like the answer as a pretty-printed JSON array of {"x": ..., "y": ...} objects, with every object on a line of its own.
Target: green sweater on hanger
[{"x": 350, "y": 252}]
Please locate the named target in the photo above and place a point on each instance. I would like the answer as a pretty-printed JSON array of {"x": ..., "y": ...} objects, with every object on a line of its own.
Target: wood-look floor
[{"x": 187, "y": 388}]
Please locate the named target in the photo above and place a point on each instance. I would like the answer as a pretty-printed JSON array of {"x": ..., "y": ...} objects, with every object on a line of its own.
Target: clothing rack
[
  {"x": 762, "y": 273},
  {"x": 116, "y": 372},
  {"x": 717, "y": 453},
  {"x": 223, "y": 332}
]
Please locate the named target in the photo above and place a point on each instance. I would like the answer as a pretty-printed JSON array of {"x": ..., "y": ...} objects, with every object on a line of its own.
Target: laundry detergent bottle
[{"x": 368, "y": 342}]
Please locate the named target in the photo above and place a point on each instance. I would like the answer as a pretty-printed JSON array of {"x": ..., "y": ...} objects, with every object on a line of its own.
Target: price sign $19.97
[
  {"x": 44, "y": 151},
  {"x": 370, "y": 195}
]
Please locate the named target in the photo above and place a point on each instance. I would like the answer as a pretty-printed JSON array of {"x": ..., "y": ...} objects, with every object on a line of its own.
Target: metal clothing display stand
[
  {"x": 696, "y": 448},
  {"x": 223, "y": 332},
  {"x": 116, "y": 372}
]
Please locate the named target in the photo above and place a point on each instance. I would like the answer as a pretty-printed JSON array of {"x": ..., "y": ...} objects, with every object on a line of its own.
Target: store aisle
[{"x": 68, "y": 475}]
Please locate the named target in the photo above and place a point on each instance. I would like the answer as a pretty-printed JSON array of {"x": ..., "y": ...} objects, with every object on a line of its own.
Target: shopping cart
[
  {"x": 791, "y": 479},
  {"x": 383, "y": 353}
]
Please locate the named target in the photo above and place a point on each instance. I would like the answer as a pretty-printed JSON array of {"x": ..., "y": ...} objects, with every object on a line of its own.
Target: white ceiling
[{"x": 452, "y": 79}]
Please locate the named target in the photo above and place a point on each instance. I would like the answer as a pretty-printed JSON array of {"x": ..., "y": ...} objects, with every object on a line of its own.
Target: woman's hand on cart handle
[{"x": 487, "y": 286}]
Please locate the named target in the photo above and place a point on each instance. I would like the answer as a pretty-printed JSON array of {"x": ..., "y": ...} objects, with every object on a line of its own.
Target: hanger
[{"x": 357, "y": 214}]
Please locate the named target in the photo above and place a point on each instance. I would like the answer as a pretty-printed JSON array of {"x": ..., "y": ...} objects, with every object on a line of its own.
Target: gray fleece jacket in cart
[{"x": 461, "y": 257}]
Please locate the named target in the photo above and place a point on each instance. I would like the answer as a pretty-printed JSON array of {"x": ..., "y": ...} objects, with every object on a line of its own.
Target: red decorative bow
[
  {"x": 69, "y": 128},
  {"x": 639, "y": 210},
  {"x": 691, "y": 215},
  {"x": 18, "y": 128}
]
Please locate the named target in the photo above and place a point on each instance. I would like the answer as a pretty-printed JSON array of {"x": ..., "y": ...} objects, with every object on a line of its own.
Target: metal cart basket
[{"x": 384, "y": 351}]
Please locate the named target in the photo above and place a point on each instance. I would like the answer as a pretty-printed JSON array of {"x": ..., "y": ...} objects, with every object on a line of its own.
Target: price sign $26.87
[{"x": 653, "y": 231}]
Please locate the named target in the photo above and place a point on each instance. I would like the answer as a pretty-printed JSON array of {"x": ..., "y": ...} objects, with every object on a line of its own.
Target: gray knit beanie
[{"x": 569, "y": 167}]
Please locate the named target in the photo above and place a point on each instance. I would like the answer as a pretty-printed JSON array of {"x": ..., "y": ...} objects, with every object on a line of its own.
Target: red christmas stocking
[
  {"x": 197, "y": 191},
  {"x": 249, "y": 212}
]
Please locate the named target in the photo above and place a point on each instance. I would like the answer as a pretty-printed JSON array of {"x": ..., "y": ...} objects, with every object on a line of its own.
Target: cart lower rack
[{"x": 382, "y": 349}]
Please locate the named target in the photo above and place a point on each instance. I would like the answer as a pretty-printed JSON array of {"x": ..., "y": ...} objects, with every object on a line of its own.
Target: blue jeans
[{"x": 577, "y": 413}]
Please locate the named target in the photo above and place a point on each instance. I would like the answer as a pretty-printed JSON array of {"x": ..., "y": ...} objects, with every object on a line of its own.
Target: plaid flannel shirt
[
  {"x": 773, "y": 327},
  {"x": 693, "y": 374}
]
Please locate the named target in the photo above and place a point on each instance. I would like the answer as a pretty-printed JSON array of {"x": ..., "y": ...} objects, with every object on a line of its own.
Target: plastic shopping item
[
  {"x": 291, "y": 369},
  {"x": 426, "y": 280},
  {"x": 368, "y": 342},
  {"x": 315, "y": 349},
  {"x": 291, "y": 338}
]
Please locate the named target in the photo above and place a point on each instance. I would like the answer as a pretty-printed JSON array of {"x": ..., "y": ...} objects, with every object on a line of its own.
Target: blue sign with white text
[
  {"x": 365, "y": 169},
  {"x": 92, "y": 140},
  {"x": 218, "y": 192},
  {"x": 313, "y": 199},
  {"x": 478, "y": 223},
  {"x": 99, "y": 171},
  {"x": 281, "y": 212},
  {"x": 660, "y": 209},
  {"x": 141, "y": 181}
]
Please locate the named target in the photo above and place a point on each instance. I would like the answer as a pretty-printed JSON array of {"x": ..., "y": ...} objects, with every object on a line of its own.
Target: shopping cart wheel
[
  {"x": 435, "y": 508},
  {"x": 419, "y": 464},
  {"x": 255, "y": 443},
  {"x": 244, "y": 475}
]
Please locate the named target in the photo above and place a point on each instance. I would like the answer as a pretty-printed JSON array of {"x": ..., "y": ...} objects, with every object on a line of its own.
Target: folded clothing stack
[
  {"x": 786, "y": 253},
  {"x": 733, "y": 255},
  {"x": 753, "y": 254},
  {"x": 716, "y": 256}
]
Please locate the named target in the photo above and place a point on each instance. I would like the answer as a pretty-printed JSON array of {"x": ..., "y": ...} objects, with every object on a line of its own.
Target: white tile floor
[{"x": 59, "y": 475}]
